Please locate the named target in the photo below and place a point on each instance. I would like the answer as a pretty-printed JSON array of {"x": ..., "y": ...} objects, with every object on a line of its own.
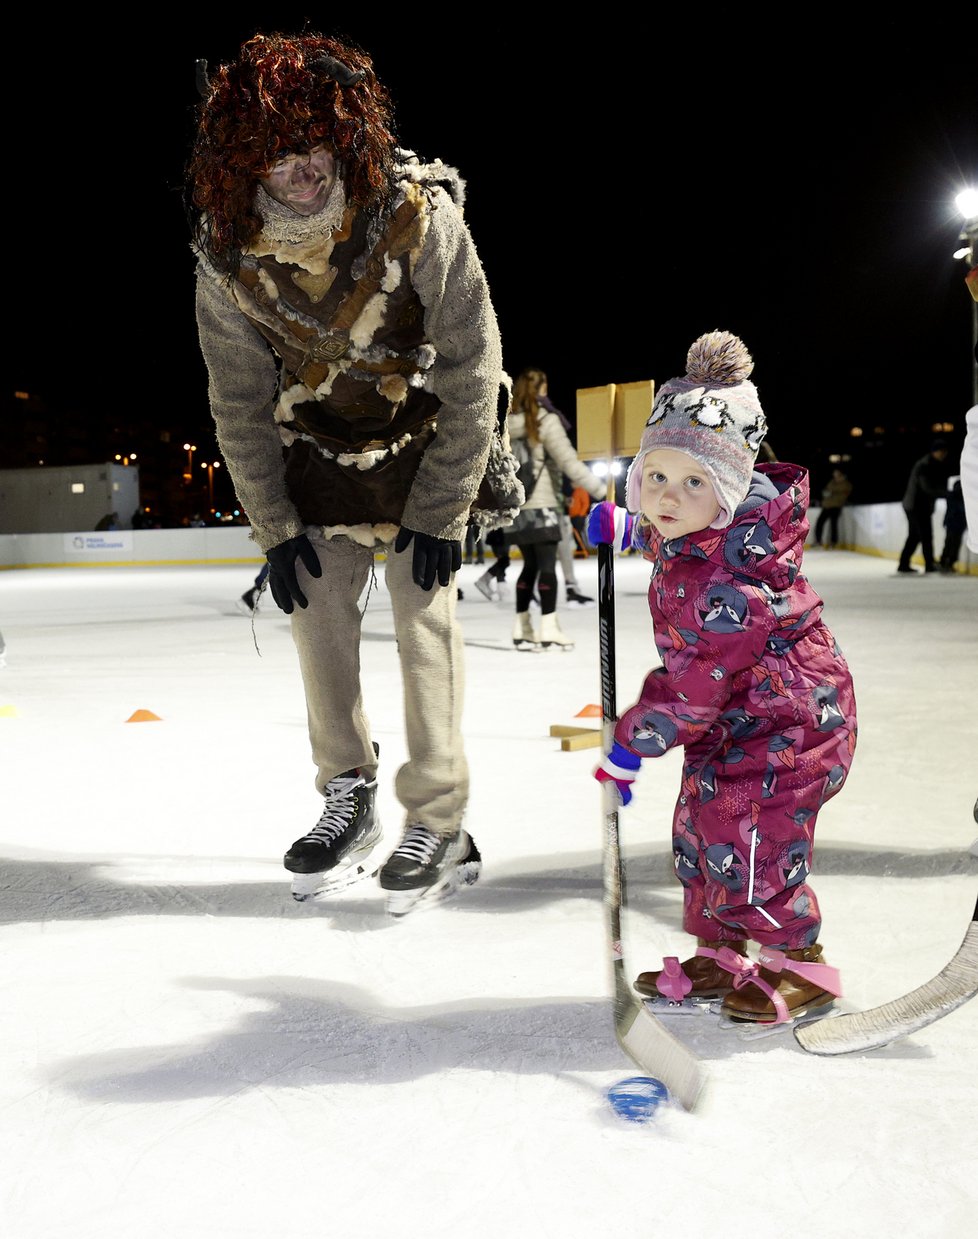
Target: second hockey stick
[
  {"x": 647, "y": 1042},
  {"x": 870, "y": 1030}
]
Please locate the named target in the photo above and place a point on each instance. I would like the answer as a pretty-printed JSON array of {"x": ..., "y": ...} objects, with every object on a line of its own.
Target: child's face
[{"x": 677, "y": 495}]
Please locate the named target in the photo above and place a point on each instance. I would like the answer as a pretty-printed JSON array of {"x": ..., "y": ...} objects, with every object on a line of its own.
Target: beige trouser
[{"x": 433, "y": 784}]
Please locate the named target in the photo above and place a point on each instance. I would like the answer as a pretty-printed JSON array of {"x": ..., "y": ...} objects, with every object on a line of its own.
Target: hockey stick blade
[
  {"x": 870, "y": 1030},
  {"x": 653, "y": 1049}
]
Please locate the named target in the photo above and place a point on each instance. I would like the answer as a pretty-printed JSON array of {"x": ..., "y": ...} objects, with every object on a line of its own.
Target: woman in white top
[{"x": 539, "y": 440}]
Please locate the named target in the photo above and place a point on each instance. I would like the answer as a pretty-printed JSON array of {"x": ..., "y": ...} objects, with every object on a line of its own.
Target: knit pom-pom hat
[{"x": 713, "y": 414}]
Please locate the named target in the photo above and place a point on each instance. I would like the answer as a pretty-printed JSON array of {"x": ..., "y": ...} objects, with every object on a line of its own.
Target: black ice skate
[
  {"x": 576, "y": 599},
  {"x": 333, "y": 855},
  {"x": 426, "y": 867},
  {"x": 247, "y": 604}
]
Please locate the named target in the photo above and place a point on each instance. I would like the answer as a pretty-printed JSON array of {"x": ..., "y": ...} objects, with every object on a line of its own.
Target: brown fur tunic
[{"x": 354, "y": 369}]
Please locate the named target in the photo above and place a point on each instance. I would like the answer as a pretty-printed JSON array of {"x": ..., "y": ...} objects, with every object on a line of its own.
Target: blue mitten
[
  {"x": 606, "y": 522},
  {"x": 619, "y": 767}
]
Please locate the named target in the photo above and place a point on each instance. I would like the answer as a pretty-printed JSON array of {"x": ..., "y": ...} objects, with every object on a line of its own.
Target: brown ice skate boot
[
  {"x": 708, "y": 979},
  {"x": 816, "y": 986}
]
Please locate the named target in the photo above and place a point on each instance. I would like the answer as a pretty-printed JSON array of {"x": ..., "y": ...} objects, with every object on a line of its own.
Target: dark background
[{"x": 629, "y": 186}]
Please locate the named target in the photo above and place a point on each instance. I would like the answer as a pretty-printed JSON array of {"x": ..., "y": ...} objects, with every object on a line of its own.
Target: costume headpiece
[{"x": 284, "y": 95}]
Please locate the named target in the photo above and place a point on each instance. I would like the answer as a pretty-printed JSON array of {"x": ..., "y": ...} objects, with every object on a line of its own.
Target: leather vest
[{"x": 349, "y": 328}]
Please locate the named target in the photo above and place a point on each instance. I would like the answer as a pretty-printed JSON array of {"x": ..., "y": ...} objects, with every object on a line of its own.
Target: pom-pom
[{"x": 718, "y": 358}]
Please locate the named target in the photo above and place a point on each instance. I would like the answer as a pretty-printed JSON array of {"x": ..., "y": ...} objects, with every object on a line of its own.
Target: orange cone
[
  {"x": 144, "y": 716},
  {"x": 589, "y": 712}
]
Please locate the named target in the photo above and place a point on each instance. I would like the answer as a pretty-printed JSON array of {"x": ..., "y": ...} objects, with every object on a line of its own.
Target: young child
[{"x": 752, "y": 685}]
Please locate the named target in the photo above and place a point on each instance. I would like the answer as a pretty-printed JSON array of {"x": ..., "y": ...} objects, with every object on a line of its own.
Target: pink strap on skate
[
  {"x": 745, "y": 972},
  {"x": 823, "y": 975},
  {"x": 672, "y": 982}
]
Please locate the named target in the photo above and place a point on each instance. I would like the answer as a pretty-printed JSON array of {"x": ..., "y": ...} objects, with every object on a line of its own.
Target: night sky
[{"x": 628, "y": 188}]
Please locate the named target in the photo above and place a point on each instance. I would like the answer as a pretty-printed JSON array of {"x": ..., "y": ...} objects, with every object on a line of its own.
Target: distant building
[{"x": 66, "y": 498}]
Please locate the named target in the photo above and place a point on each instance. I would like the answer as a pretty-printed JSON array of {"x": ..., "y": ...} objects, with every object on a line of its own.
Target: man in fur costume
[{"x": 354, "y": 370}]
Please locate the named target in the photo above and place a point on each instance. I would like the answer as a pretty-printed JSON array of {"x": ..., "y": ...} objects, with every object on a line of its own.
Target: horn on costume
[{"x": 337, "y": 70}]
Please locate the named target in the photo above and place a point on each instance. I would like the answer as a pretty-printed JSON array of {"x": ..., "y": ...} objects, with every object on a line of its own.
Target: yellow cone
[
  {"x": 144, "y": 716},
  {"x": 8, "y": 711}
]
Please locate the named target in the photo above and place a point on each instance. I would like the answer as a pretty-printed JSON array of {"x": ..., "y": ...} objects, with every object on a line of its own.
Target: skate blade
[
  {"x": 757, "y": 1030},
  {"x": 311, "y": 887},
  {"x": 660, "y": 1005},
  {"x": 400, "y": 903}
]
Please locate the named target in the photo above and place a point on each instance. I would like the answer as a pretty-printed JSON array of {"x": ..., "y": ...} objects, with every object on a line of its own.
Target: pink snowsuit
[{"x": 755, "y": 688}]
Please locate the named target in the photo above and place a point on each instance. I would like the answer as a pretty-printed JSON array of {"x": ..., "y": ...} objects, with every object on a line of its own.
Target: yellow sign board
[{"x": 610, "y": 419}]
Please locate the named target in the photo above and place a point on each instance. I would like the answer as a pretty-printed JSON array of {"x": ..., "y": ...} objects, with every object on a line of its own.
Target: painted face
[
  {"x": 677, "y": 495},
  {"x": 302, "y": 182}
]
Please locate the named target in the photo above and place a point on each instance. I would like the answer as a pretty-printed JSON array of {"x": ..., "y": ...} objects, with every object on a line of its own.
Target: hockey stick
[
  {"x": 646, "y": 1041},
  {"x": 869, "y": 1030}
]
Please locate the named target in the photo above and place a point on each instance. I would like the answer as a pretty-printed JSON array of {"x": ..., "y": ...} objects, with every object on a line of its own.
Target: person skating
[
  {"x": 926, "y": 484},
  {"x": 577, "y": 508},
  {"x": 537, "y": 434},
  {"x": 247, "y": 604},
  {"x": 354, "y": 364},
  {"x": 752, "y": 686},
  {"x": 564, "y": 488},
  {"x": 955, "y": 527},
  {"x": 492, "y": 583},
  {"x": 574, "y": 596},
  {"x": 835, "y": 496}
]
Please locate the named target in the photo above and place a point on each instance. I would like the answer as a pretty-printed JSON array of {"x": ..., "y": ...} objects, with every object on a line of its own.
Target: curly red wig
[{"x": 275, "y": 99}]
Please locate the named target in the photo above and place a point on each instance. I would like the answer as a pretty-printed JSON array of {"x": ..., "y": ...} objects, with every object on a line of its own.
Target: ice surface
[{"x": 186, "y": 1052}]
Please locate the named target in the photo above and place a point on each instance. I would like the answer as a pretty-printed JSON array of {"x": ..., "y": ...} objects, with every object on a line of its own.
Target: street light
[
  {"x": 967, "y": 203},
  {"x": 189, "y": 448},
  {"x": 214, "y": 464}
]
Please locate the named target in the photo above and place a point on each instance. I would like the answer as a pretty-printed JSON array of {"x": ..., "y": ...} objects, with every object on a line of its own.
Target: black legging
[
  {"x": 540, "y": 569},
  {"x": 828, "y": 516},
  {"x": 497, "y": 541},
  {"x": 920, "y": 534}
]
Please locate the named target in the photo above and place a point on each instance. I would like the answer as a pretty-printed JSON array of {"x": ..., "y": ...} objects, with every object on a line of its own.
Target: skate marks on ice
[
  {"x": 96, "y": 889},
  {"x": 300, "y": 1032}
]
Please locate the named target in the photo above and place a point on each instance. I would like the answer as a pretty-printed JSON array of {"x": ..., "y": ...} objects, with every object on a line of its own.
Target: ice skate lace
[
  {"x": 338, "y": 810},
  {"x": 419, "y": 843}
]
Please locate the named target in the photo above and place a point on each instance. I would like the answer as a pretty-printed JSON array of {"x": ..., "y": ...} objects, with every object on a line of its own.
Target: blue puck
[{"x": 637, "y": 1098}]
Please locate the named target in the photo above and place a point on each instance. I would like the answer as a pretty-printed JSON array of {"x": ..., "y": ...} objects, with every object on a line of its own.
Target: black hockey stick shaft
[
  {"x": 614, "y": 874},
  {"x": 644, "y": 1039}
]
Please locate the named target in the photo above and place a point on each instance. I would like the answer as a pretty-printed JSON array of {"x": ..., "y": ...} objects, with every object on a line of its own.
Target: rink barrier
[
  {"x": 130, "y": 548},
  {"x": 880, "y": 529},
  {"x": 877, "y": 529}
]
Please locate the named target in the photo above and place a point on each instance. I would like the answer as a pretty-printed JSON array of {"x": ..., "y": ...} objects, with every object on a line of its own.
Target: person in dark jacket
[
  {"x": 753, "y": 686},
  {"x": 927, "y": 483}
]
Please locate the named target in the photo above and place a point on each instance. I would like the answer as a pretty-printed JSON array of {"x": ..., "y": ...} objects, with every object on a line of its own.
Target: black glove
[
  {"x": 282, "y": 579},
  {"x": 432, "y": 556}
]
